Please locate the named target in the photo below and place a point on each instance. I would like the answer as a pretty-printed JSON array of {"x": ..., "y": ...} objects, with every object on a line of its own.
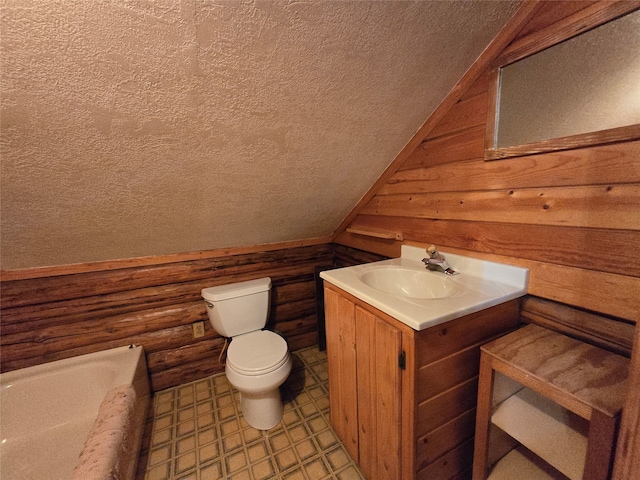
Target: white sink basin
[
  {"x": 406, "y": 290},
  {"x": 409, "y": 282}
]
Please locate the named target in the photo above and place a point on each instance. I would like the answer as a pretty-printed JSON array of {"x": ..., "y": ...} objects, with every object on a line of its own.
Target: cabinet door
[
  {"x": 341, "y": 364},
  {"x": 378, "y": 346}
]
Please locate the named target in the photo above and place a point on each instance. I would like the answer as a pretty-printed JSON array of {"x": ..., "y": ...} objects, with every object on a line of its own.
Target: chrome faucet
[{"x": 435, "y": 261}]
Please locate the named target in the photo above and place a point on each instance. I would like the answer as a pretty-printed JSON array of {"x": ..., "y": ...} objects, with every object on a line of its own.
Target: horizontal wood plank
[
  {"x": 591, "y": 206},
  {"x": 467, "y": 113},
  {"x": 552, "y": 244},
  {"x": 453, "y": 464},
  {"x": 442, "y": 340},
  {"x": 439, "y": 410},
  {"x": 436, "y": 377},
  {"x": 459, "y": 146},
  {"x": 602, "y": 165},
  {"x": 544, "y": 36},
  {"x": 436, "y": 443},
  {"x": 606, "y": 332},
  {"x": 569, "y": 372}
]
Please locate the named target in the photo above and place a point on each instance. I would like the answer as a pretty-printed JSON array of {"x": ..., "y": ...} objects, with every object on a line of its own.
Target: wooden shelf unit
[{"x": 562, "y": 406}]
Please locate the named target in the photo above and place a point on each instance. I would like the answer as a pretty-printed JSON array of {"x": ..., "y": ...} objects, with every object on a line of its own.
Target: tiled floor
[{"x": 199, "y": 432}]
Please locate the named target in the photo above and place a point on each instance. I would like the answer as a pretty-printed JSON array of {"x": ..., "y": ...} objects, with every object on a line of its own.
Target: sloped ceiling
[{"x": 134, "y": 128}]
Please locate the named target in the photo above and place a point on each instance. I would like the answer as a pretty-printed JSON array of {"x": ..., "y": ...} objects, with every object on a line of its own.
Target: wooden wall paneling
[
  {"x": 185, "y": 373},
  {"x": 615, "y": 295},
  {"x": 44, "y": 345},
  {"x": 610, "y": 333},
  {"x": 50, "y": 318},
  {"x": 601, "y": 165},
  {"x": 567, "y": 246},
  {"x": 457, "y": 146},
  {"x": 593, "y": 139},
  {"x": 465, "y": 115},
  {"x": 580, "y": 206}
]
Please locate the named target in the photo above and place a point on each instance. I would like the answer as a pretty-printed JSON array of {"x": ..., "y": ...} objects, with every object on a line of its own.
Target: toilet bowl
[
  {"x": 257, "y": 364},
  {"x": 258, "y": 361}
]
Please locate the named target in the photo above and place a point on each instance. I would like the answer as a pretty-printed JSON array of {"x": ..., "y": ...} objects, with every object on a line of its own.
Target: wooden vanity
[{"x": 403, "y": 401}]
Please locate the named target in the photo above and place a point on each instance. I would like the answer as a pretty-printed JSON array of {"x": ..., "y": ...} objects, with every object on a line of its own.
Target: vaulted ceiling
[{"x": 134, "y": 128}]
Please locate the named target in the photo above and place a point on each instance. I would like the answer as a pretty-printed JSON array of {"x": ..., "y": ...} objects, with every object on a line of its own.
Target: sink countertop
[{"x": 480, "y": 284}]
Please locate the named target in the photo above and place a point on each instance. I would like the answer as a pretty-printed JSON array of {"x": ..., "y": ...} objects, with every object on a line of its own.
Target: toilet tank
[{"x": 238, "y": 308}]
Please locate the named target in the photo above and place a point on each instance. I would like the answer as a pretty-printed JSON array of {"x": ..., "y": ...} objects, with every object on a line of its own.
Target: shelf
[
  {"x": 519, "y": 463},
  {"x": 384, "y": 234},
  {"x": 562, "y": 404},
  {"x": 557, "y": 435}
]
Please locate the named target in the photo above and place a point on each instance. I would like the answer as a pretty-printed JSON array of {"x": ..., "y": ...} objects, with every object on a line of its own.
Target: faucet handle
[{"x": 432, "y": 250}]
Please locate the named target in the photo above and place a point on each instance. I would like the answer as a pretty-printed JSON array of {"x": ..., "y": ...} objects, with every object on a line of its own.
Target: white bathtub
[{"x": 49, "y": 412}]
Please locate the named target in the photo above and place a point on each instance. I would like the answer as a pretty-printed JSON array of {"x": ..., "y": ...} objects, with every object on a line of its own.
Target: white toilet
[{"x": 258, "y": 361}]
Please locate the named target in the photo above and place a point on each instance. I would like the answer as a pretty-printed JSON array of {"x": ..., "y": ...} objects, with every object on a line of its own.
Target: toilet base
[{"x": 262, "y": 411}]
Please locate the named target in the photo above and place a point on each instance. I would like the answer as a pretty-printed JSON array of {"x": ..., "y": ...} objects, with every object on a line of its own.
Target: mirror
[{"x": 583, "y": 91}]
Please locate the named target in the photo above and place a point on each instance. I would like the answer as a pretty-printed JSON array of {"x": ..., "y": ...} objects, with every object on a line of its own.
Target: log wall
[{"x": 54, "y": 317}]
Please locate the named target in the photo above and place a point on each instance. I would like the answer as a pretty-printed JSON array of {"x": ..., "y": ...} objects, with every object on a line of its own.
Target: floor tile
[{"x": 199, "y": 432}]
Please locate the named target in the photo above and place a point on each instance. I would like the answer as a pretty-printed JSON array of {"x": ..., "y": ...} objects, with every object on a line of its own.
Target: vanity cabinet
[
  {"x": 403, "y": 401},
  {"x": 548, "y": 407}
]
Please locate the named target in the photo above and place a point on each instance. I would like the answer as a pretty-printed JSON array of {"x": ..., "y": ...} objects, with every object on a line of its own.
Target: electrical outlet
[{"x": 198, "y": 329}]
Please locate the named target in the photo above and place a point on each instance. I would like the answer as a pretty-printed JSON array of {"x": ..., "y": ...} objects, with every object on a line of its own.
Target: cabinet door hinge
[{"x": 402, "y": 360}]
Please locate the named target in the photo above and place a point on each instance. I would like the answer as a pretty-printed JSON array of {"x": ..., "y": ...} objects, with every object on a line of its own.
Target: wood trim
[
  {"x": 586, "y": 19},
  {"x": 383, "y": 234},
  {"x": 409, "y": 414},
  {"x": 492, "y": 110},
  {"x": 627, "y": 461},
  {"x": 601, "y": 446},
  {"x": 57, "y": 270},
  {"x": 526, "y": 11},
  {"x": 591, "y": 139}
]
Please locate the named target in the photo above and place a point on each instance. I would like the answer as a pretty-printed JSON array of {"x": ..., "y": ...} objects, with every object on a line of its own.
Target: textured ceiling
[{"x": 134, "y": 128}]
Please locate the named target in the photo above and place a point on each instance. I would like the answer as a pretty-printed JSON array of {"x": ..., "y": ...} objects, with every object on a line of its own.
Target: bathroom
[{"x": 134, "y": 175}]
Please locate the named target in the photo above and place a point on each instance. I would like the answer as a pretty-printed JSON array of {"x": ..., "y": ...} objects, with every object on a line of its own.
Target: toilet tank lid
[{"x": 240, "y": 289}]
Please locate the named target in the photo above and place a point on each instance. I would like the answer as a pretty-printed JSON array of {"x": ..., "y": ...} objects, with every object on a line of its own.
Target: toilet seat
[{"x": 257, "y": 353}]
